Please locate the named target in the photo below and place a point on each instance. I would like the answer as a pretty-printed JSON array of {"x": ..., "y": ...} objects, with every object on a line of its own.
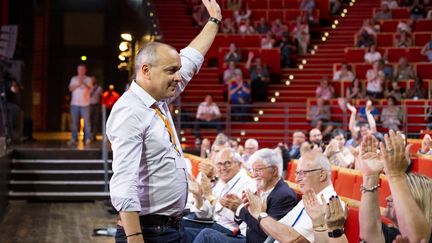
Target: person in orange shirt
[{"x": 109, "y": 98}]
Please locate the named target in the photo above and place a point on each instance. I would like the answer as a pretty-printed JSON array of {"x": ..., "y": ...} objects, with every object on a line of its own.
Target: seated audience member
[
  {"x": 426, "y": 145},
  {"x": 228, "y": 26},
  {"x": 277, "y": 28},
  {"x": 367, "y": 34},
  {"x": 324, "y": 91},
  {"x": 200, "y": 15},
  {"x": 391, "y": 3},
  {"x": 358, "y": 132},
  {"x": 368, "y": 108},
  {"x": 307, "y": 6},
  {"x": 231, "y": 73},
  {"x": 313, "y": 173},
  {"x": 250, "y": 147},
  {"x": 246, "y": 28},
  {"x": 239, "y": 93},
  {"x": 391, "y": 115},
  {"x": 375, "y": 80},
  {"x": 404, "y": 70},
  {"x": 405, "y": 26},
  {"x": 409, "y": 205},
  {"x": 233, "y": 54},
  {"x": 316, "y": 139},
  {"x": 320, "y": 117},
  {"x": 298, "y": 139},
  {"x": 403, "y": 41},
  {"x": 343, "y": 74},
  {"x": 417, "y": 11},
  {"x": 234, "y": 4},
  {"x": 272, "y": 190},
  {"x": 396, "y": 91},
  {"x": 242, "y": 15},
  {"x": 267, "y": 42},
  {"x": 337, "y": 153},
  {"x": 259, "y": 78},
  {"x": 372, "y": 55},
  {"x": 262, "y": 27},
  {"x": 328, "y": 220},
  {"x": 208, "y": 115},
  {"x": 384, "y": 13},
  {"x": 286, "y": 48},
  {"x": 233, "y": 179},
  {"x": 418, "y": 91},
  {"x": 302, "y": 35},
  {"x": 355, "y": 91},
  {"x": 335, "y": 6},
  {"x": 427, "y": 50}
]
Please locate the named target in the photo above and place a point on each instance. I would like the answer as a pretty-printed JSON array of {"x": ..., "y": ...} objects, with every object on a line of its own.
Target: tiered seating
[{"x": 356, "y": 54}]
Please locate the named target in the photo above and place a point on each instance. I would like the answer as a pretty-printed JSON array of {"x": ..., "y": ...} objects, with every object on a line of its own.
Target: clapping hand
[
  {"x": 194, "y": 187},
  {"x": 206, "y": 185},
  {"x": 335, "y": 215},
  {"x": 369, "y": 159},
  {"x": 231, "y": 201},
  {"x": 314, "y": 209},
  {"x": 207, "y": 168},
  {"x": 394, "y": 154},
  {"x": 253, "y": 204}
]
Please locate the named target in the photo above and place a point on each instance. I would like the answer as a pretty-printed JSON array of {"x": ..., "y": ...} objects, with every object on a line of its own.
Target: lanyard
[
  {"x": 230, "y": 188},
  {"x": 298, "y": 217}
]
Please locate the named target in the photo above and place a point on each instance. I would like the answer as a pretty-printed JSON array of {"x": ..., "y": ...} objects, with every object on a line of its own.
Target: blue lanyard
[
  {"x": 298, "y": 217},
  {"x": 230, "y": 187}
]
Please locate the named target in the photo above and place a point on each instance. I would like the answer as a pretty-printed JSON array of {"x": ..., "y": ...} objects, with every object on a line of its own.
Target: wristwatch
[
  {"x": 336, "y": 233},
  {"x": 261, "y": 216}
]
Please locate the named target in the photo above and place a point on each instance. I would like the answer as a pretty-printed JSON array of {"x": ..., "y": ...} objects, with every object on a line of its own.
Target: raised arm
[
  {"x": 352, "y": 122},
  {"x": 204, "y": 39},
  {"x": 369, "y": 215},
  {"x": 411, "y": 220}
]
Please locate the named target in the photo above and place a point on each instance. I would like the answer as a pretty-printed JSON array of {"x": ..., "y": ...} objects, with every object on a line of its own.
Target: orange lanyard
[{"x": 167, "y": 125}]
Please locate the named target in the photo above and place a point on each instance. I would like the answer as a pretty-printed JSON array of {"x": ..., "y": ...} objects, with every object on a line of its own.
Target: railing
[{"x": 273, "y": 122}]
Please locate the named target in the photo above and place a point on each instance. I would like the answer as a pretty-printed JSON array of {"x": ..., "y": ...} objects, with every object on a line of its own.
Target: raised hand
[
  {"x": 393, "y": 154},
  {"x": 426, "y": 143},
  {"x": 369, "y": 160},
  {"x": 213, "y": 8},
  {"x": 314, "y": 209},
  {"x": 335, "y": 214},
  {"x": 205, "y": 186},
  {"x": 207, "y": 168},
  {"x": 194, "y": 187},
  {"x": 351, "y": 108}
]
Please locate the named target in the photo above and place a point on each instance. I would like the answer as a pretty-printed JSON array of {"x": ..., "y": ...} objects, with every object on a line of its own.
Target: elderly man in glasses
[
  {"x": 233, "y": 180},
  {"x": 278, "y": 199},
  {"x": 313, "y": 173}
]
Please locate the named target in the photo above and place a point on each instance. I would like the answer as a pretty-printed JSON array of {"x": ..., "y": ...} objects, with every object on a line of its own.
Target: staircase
[{"x": 57, "y": 175}]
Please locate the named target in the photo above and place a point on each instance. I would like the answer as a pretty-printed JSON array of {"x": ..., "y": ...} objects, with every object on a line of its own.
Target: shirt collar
[
  {"x": 142, "y": 94},
  {"x": 234, "y": 180},
  {"x": 328, "y": 190}
]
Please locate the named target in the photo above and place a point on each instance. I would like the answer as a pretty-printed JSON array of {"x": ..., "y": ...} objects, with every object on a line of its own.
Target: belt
[{"x": 159, "y": 220}]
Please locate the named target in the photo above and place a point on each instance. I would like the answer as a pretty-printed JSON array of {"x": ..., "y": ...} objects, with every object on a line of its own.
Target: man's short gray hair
[
  {"x": 148, "y": 54},
  {"x": 235, "y": 157},
  {"x": 323, "y": 162},
  {"x": 269, "y": 157}
]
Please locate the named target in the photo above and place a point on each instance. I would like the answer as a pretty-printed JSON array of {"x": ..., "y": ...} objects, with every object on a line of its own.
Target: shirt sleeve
[
  {"x": 199, "y": 112},
  {"x": 191, "y": 61},
  {"x": 126, "y": 140},
  {"x": 205, "y": 212}
]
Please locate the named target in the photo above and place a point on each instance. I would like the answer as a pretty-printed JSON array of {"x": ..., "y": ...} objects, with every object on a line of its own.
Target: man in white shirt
[
  {"x": 251, "y": 146},
  {"x": 233, "y": 179},
  {"x": 149, "y": 182},
  {"x": 313, "y": 172},
  {"x": 80, "y": 86},
  {"x": 208, "y": 116}
]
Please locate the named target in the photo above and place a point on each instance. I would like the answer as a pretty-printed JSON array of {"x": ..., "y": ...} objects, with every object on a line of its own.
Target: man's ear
[
  {"x": 145, "y": 69},
  {"x": 323, "y": 175}
]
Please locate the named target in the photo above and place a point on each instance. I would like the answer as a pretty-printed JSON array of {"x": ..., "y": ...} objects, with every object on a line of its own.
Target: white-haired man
[
  {"x": 313, "y": 173},
  {"x": 233, "y": 180},
  {"x": 149, "y": 184},
  {"x": 251, "y": 146},
  {"x": 271, "y": 188}
]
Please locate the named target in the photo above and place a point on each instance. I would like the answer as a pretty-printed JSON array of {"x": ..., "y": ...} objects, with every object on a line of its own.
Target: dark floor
[{"x": 55, "y": 222}]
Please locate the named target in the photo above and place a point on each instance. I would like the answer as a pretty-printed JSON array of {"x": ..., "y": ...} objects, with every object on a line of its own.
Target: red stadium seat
[
  {"x": 361, "y": 69},
  {"x": 421, "y": 38},
  {"x": 385, "y": 39},
  {"x": 352, "y": 226},
  {"x": 292, "y": 167},
  {"x": 258, "y": 14},
  {"x": 353, "y": 54},
  {"x": 425, "y": 165},
  {"x": 423, "y": 25},
  {"x": 394, "y": 53},
  {"x": 384, "y": 191},
  {"x": 257, "y": 4},
  {"x": 275, "y": 4},
  {"x": 414, "y": 55},
  {"x": 291, "y": 14},
  {"x": 275, "y": 14},
  {"x": 400, "y": 13},
  {"x": 389, "y": 25},
  {"x": 344, "y": 183},
  {"x": 291, "y": 3},
  {"x": 424, "y": 70},
  {"x": 415, "y": 110}
]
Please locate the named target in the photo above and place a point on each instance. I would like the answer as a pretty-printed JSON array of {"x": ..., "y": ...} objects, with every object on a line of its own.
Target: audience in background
[
  {"x": 375, "y": 80},
  {"x": 228, "y": 26},
  {"x": 403, "y": 70},
  {"x": 367, "y": 34},
  {"x": 246, "y": 28},
  {"x": 259, "y": 78},
  {"x": 336, "y": 152},
  {"x": 299, "y": 137},
  {"x": 242, "y": 15},
  {"x": 320, "y": 117},
  {"x": 200, "y": 15},
  {"x": 403, "y": 40},
  {"x": 250, "y": 147},
  {"x": 417, "y": 11},
  {"x": 109, "y": 98},
  {"x": 233, "y": 54},
  {"x": 418, "y": 91},
  {"x": 301, "y": 35},
  {"x": 324, "y": 91},
  {"x": 391, "y": 115},
  {"x": 207, "y": 116},
  {"x": 427, "y": 50},
  {"x": 262, "y": 27},
  {"x": 384, "y": 13},
  {"x": 355, "y": 91},
  {"x": 372, "y": 55},
  {"x": 343, "y": 74},
  {"x": 231, "y": 73},
  {"x": 239, "y": 96},
  {"x": 267, "y": 42}
]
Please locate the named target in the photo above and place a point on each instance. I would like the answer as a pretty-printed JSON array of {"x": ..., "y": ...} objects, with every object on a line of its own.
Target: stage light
[
  {"x": 123, "y": 46},
  {"x": 287, "y": 83},
  {"x": 323, "y": 38},
  {"x": 242, "y": 133},
  {"x": 277, "y": 94},
  {"x": 256, "y": 119},
  {"x": 273, "y": 100},
  {"x": 291, "y": 77},
  {"x": 121, "y": 58},
  {"x": 313, "y": 52},
  {"x": 300, "y": 66},
  {"x": 126, "y": 36},
  {"x": 336, "y": 21},
  {"x": 83, "y": 58},
  {"x": 333, "y": 26},
  {"x": 304, "y": 61},
  {"x": 183, "y": 139},
  {"x": 261, "y": 112},
  {"x": 326, "y": 34},
  {"x": 176, "y": 111}
]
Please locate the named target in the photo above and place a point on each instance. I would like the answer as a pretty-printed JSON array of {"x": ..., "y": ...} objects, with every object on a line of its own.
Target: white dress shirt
[
  {"x": 221, "y": 215},
  {"x": 81, "y": 94},
  {"x": 149, "y": 174}
]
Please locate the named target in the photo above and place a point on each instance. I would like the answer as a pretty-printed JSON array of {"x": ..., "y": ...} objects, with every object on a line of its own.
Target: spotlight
[
  {"x": 123, "y": 46},
  {"x": 121, "y": 58},
  {"x": 126, "y": 36},
  {"x": 291, "y": 77},
  {"x": 287, "y": 83},
  {"x": 242, "y": 133},
  {"x": 277, "y": 94},
  {"x": 182, "y": 132},
  {"x": 300, "y": 66},
  {"x": 273, "y": 100},
  {"x": 256, "y": 119},
  {"x": 323, "y": 38},
  {"x": 326, "y": 34},
  {"x": 304, "y": 61},
  {"x": 83, "y": 58},
  {"x": 261, "y": 112}
]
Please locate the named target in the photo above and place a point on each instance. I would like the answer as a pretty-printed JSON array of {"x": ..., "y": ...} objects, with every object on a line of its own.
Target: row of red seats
[
  {"x": 397, "y": 13},
  {"x": 386, "y": 39},
  {"x": 285, "y": 15},
  {"x": 224, "y": 40},
  {"x": 390, "y": 25},
  {"x": 413, "y": 54},
  {"x": 269, "y": 57}
]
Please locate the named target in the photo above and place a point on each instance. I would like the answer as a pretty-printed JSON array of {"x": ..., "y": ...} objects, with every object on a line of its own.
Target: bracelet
[
  {"x": 371, "y": 189},
  {"x": 134, "y": 234},
  {"x": 215, "y": 20},
  {"x": 320, "y": 228}
]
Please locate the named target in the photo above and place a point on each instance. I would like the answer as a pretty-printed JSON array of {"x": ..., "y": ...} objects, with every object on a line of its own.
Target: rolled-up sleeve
[
  {"x": 126, "y": 140},
  {"x": 191, "y": 61}
]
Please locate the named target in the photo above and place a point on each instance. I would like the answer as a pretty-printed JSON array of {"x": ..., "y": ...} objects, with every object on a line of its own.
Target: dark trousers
[
  {"x": 152, "y": 234},
  {"x": 206, "y": 124},
  {"x": 190, "y": 230}
]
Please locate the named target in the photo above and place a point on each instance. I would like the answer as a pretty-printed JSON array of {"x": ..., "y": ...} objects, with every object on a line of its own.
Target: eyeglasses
[
  {"x": 258, "y": 170},
  {"x": 225, "y": 164},
  {"x": 301, "y": 173}
]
